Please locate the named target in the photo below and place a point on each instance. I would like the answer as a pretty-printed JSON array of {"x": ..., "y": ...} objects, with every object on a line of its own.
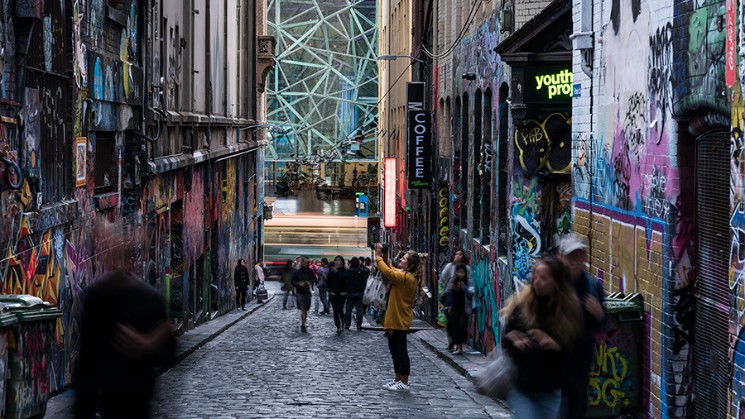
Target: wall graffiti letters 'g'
[
  {"x": 609, "y": 378},
  {"x": 443, "y": 234}
]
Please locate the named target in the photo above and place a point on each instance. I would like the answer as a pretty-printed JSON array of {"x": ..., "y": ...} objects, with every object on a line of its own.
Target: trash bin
[
  {"x": 30, "y": 344},
  {"x": 615, "y": 377},
  {"x": 6, "y": 321}
]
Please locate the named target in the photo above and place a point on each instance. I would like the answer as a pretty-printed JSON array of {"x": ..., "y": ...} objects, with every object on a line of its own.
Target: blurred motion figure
[{"x": 125, "y": 337}]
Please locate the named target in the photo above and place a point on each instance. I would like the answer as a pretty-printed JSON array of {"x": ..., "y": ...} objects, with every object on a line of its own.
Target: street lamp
[
  {"x": 276, "y": 129},
  {"x": 393, "y": 57}
]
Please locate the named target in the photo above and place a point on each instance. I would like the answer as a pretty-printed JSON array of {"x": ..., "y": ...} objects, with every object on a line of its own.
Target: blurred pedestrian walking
[
  {"x": 355, "y": 290},
  {"x": 303, "y": 280},
  {"x": 240, "y": 278},
  {"x": 541, "y": 330},
  {"x": 338, "y": 280},
  {"x": 259, "y": 281},
  {"x": 458, "y": 303},
  {"x": 323, "y": 273},
  {"x": 405, "y": 283},
  {"x": 591, "y": 295},
  {"x": 286, "y": 275},
  {"x": 125, "y": 336}
]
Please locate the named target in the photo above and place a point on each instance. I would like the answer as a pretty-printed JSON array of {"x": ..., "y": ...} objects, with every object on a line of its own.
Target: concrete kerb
[
  {"x": 445, "y": 357},
  {"x": 469, "y": 365}
]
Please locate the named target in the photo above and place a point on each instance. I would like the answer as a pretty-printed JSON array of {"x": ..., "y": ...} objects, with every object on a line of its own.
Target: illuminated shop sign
[
  {"x": 548, "y": 84},
  {"x": 389, "y": 193},
  {"x": 420, "y": 149}
]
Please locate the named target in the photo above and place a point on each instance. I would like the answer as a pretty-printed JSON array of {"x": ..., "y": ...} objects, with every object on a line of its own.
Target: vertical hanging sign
[
  {"x": 730, "y": 66},
  {"x": 389, "y": 193},
  {"x": 419, "y": 159},
  {"x": 419, "y": 144}
]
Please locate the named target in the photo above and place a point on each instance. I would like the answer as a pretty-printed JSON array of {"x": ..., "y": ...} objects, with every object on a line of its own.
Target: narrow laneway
[{"x": 264, "y": 366}]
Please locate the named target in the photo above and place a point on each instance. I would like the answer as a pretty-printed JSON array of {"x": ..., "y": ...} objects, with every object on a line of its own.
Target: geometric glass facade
[{"x": 324, "y": 87}]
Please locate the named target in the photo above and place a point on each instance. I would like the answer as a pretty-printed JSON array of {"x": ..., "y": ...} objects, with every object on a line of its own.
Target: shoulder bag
[{"x": 376, "y": 292}]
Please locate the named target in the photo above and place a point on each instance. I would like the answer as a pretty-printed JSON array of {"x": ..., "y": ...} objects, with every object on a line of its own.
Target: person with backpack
[
  {"x": 355, "y": 291},
  {"x": 590, "y": 293}
]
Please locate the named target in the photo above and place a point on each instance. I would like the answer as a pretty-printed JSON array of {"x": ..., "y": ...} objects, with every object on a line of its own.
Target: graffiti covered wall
[
  {"x": 474, "y": 55},
  {"x": 633, "y": 172},
  {"x": 71, "y": 101}
]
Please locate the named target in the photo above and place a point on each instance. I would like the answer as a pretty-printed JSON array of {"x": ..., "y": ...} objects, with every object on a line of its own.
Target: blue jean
[
  {"x": 323, "y": 296},
  {"x": 354, "y": 299},
  {"x": 287, "y": 295},
  {"x": 534, "y": 405}
]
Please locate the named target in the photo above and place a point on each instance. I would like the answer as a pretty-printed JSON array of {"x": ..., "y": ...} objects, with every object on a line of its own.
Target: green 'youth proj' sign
[{"x": 548, "y": 84}]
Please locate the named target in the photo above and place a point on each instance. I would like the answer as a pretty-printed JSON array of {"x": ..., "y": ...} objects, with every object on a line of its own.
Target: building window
[
  {"x": 106, "y": 163},
  {"x": 464, "y": 162},
  {"x": 502, "y": 209},
  {"x": 478, "y": 161},
  {"x": 487, "y": 160}
]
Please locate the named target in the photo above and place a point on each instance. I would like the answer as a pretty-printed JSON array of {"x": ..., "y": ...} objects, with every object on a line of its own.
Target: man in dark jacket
[
  {"x": 337, "y": 282},
  {"x": 355, "y": 290},
  {"x": 590, "y": 292},
  {"x": 304, "y": 280},
  {"x": 240, "y": 277}
]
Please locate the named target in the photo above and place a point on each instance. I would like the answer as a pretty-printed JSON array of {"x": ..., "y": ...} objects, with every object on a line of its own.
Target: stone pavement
[
  {"x": 264, "y": 366},
  {"x": 469, "y": 364},
  {"x": 60, "y": 406}
]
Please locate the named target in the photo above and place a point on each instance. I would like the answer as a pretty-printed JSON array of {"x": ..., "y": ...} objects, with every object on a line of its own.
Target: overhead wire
[{"x": 449, "y": 50}]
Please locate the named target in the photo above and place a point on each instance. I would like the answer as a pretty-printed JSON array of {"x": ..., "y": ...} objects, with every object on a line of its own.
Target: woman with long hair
[
  {"x": 406, "y": 282},
  {"x": 446, "y": 278},
  {"x": 542, "y": 327},
  {"x": 458, "y": 297}
]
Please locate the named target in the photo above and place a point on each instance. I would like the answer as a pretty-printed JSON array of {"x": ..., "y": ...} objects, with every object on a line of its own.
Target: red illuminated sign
[
  {"x": 389, "y": 193},
  {"x": 730, "y": 63}
]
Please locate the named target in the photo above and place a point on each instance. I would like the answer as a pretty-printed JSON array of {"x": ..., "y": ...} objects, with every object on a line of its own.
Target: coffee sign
[{"x": 548, "y": 85}]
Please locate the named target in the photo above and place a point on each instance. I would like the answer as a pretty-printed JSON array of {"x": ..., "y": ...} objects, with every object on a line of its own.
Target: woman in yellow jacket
[{"x": 405, "y": 283}]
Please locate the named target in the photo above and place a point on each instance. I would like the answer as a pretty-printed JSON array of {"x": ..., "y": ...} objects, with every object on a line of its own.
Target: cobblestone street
[{"x": 264, "y": 366}]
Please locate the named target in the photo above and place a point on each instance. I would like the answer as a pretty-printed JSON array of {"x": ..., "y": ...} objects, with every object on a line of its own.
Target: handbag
[
  {"x": 261, "y": 293},
  {"x": 376, "y": 292},
  {"x": 496, "y": 379}
]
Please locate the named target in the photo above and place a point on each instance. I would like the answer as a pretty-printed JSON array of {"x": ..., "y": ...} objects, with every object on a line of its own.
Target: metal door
[{"x": 711, "y": 319}]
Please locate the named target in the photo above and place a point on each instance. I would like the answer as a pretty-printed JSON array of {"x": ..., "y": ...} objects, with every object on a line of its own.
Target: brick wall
[
  {"x": 528, "y": 9},
  {"x": 634, "y": 172}
]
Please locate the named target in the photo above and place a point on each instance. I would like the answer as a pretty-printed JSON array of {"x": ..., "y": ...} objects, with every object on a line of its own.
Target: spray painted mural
[
  {"x": 476, "y": 56},
  {"x": 633, "y": 175}
]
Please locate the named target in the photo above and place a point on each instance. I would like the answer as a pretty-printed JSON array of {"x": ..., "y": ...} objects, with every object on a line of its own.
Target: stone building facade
[{"x": 131, "y": 111}]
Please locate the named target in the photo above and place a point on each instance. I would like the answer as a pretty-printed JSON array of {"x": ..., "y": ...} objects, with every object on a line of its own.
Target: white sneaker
[
  {"x": 390, "y": 384},
  {"x": 399, "y": 386}
]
